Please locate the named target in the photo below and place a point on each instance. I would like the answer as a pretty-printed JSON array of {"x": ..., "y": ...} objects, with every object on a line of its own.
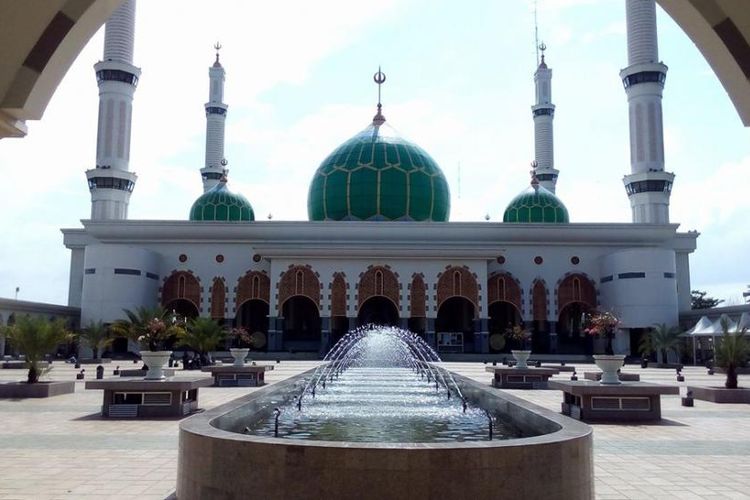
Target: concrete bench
[{"x": 520, "y": 378}]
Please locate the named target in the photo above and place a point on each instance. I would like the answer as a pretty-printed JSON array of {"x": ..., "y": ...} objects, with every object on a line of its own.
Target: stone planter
[
  {"x": 155, "y": 360},
  {"x": 609, "y": 364},
  {"x": 239, "y": 355},
  {"x": 721, "y": 394},
  {"x": 521, "y": 357},
  {"x": 22, "y": 390}
]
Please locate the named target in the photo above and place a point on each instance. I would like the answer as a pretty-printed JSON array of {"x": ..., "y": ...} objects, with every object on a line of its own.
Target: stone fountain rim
[{"x": 203, "y": 424}]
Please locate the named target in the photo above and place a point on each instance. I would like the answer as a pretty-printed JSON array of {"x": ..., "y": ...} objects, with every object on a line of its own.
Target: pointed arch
[
  {"x": 181, "y": 285},
  {"x": 503, "y": 287},
  {"x": 539, "y": 300},
  {"x": 418, "y": 297},
  {"x": 458, "y": 282},
  {"x": 576, "y": 287},
  {"x": 298, "y": 280},
  {"x": 253, "y": 285},
  {"x": 218, "y": 293},
  {"x": 379, "y": 281},
  {"x": 338, "y": 295}
]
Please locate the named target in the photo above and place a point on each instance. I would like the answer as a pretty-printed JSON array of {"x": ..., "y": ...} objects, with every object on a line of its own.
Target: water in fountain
[{"x": 380, "y": 384}]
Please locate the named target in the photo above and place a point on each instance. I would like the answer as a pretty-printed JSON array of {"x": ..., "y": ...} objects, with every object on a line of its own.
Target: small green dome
[
  {"x": 536, "y": 204},
  {"x": 377, "y": 175},
  {"x": 221, "y": 205}
]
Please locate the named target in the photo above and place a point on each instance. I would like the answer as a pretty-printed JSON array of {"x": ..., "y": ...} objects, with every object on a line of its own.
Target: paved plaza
[{"x": 61, "y": 448}]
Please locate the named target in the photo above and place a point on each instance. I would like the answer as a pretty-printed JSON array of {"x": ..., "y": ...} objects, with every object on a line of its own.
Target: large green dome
[
  {"x": 220, "y": 204},
  {"x": 377, "y": 175},
  {"x": 536, "y": 204}
]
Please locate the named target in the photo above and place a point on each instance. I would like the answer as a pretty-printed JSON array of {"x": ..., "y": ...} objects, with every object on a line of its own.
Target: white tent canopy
[
  {"x": 703, "y": 328},
  {"x": 706, "y": 328}
]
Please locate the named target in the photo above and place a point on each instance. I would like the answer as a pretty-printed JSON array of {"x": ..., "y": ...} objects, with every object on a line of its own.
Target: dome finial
[
  {"x": 379, "y": 78},
  {"x": 534, "y": 179},
  {"x": 217, "y": 46}
]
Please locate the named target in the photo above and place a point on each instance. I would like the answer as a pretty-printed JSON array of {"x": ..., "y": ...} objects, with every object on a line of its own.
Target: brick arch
[
  {"x": 458, "y": 282},
  {"x": 338, "y": 295},
  {"x": 181, "y": 285},
  {"x": 379, "y": 281},
  {"x": 503, "y": 287},
  {"x": 418, "y": 296},
  {"x": 218, "y": 292},
  {"x": 253, "y": 285},
  {"x": 298, "y": 280},
  {"x": 576, "y": 287},
  {"x": 539, "y": 300}
]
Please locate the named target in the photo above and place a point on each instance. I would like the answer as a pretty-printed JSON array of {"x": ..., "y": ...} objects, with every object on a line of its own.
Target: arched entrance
[
  {"x": 182, "y": 308},
  {"x": 301, "y": 325},
  {"x": 502, "y": 315},
  {"x": 378, "y": 310},
  {"x": 576, "y": 296},
  {"x": 252, "y": 315},
  {"x": 454, "y": 325},
  {"x": 571, "y": 339}
]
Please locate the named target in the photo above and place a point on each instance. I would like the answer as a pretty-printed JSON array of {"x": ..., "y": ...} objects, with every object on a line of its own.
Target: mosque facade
[{"x": 378, "y": 245}]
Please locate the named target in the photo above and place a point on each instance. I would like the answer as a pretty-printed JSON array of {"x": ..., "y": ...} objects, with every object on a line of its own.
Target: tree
[
  {"x": 35, "y": 337},
  {"x": 203, "y": 335},
  {"x": 660, "y": 339},
  {"x": 150, "y": 327},
  {"x": 699, "y": 300},
  {"x": 96, "y": 336},
  {"x": 731, "y": 352}
]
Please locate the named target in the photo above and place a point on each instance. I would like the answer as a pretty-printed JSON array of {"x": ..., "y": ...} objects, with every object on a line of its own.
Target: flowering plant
[
  {"x": 240, "y": 337},
  {"x": 519, "y": 334},
  {"x": 152, "y": 328},
  {"x": 603, "y": 324}
]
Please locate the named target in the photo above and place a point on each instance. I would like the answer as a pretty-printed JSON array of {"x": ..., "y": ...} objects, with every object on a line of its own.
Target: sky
[{"x": 459, "y": 84}]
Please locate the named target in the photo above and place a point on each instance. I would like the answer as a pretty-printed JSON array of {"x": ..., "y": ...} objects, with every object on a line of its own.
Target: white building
[{"x": 378, "y": 246}]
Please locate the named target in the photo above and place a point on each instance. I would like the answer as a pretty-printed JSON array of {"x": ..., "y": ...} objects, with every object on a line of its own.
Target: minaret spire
[
  {"x": 111, "y": 182},
  {"x": 648, "y": 185},
  {"x": 544, "y": 113},
  {"x": 216, "y": 114}
]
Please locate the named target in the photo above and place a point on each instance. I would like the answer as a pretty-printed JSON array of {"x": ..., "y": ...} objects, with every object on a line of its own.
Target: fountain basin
[{"x": 214, "y": 462}]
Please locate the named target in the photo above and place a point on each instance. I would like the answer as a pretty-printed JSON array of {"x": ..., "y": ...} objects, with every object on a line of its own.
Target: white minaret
[
  {"x": 111, "y": 182},
  {"x": 216, "y": 114},
  {"x": 544, "y": 114},
  {"x": 648, "y": 185}
]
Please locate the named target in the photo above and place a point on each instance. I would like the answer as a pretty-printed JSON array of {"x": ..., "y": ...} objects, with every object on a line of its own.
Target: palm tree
[
  {"x": 661, "y": 339},
  {"x": 35, "y": 337},
  {"x": 150, "y": 327},
  {"x": 731, "y": 352},
  {"x": 96, "y": 336},
  {"x": 203, "y": 335}
]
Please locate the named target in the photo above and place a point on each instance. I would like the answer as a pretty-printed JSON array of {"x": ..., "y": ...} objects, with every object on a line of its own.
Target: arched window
[
  {"x": 299, "y": 284},
  {"x": 256, "y": 286},
  {"x": 378, "y": 282},
  {"x": 456, "y": 283},
  {"x": 181, "y": 286},
  {"x": 501, "y": 288},
  {"x": 576, "y": 288}
]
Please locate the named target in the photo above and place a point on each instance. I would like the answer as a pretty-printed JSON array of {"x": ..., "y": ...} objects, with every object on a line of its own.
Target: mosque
[{"x": 378, "y": 245}]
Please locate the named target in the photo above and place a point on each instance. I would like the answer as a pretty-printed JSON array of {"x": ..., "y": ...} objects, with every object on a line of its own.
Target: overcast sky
[{"x": 460, "y": 84}]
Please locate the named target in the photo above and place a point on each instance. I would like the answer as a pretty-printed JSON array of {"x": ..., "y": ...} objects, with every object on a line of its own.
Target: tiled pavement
[{"x": 60, "y": 448}]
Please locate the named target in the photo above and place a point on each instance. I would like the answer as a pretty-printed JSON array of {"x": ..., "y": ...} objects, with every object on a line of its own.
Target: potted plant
[
  {"x": 732, "y": 352},
  {"x": 241, "y": 342},
  {"x": 202, "y": 335},
  {"x": 96, "y": 336},
  {"x": 521, "y": 337},
  {"x": 36, "y": 337},
  {"x": 604, "y": 325},
  {"x": 151, "y": 328}
]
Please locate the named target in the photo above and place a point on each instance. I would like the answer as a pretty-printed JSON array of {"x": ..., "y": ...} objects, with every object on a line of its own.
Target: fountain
[{"x": 380, "y": 418}]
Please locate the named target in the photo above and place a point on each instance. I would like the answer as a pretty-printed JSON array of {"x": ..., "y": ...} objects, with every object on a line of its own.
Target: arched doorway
[
  {"x": 252, "y": 315},
  {"x": 182, "y": 308},
  {"x": 301, "y": 325},
  {"x": 378, "y": 310},
  {"x": 502, "y": 315},
  {"x": 454, "y": 325},
  {"x": 571, "y": 339}
]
